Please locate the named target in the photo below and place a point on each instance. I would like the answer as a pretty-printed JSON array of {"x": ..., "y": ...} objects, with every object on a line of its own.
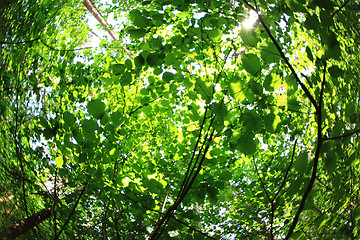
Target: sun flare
[{"x": 249, "y": 22}]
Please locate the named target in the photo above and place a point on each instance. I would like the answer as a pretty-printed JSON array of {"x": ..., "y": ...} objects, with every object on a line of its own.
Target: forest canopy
[{"x": 161, "y": 119}]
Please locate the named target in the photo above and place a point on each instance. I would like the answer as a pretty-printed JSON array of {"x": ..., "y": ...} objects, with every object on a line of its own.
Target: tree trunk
[
  {"x": 26, "y": 225},
  {"x": 90, "y": 5}
]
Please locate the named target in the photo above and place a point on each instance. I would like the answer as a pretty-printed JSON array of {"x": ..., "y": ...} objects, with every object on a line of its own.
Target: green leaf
[
  {"x": 139, "y": 61},
  {"x": 221, "y": 112},
  {"x": 153, "y": 60},
  {"x": 325, "y": 4},
  {"x": 332, "y": 47},
  {"x": 350, "y": 109},
  {"x": 204, "y": 89},
  {"x": 225, "y": 176},
  {"x": 251, "y": 63},
  {"x": 44, "y": 123},
  {"x": 249, "y": 37},
  {"x": 168, "y": 76},
  {"x": 335, "y": 71},
  {"x": 291, "y": 85},
  {"x": 96, "y": 108},
  {"x": 128, "y": 64},
  {"x": 136, "y": 33},
  {"x": 118, "y": 69},
  {"x": 138, "y": 19},
  {"x": 155, "y": 43},
  {"x": 272, "y": 122},
  {"x": 158, "y": 71},
  {"x": 126, "y": 78},
  {"x": 246, "y": 144},
  {"x": 69, "y": 119},
  {"x": 309, "y": 53},
  {"x": 301, "y": 162},
  {"x": 270, "y": 54},
  {"x": 165, "y": 103},
  {"x": 295, "y": 6},
  {"x": 157, "y": 18},
  {"x": 215, "y": 34},
  {"x": 252, "y": 121},
  {"x": 177, "y": 40},
  {"x": 267, "y": 83},
  {"x": 213, "y": 192},
  {"x": 312, "y": 22},
  {"x": 326, "y": 18},
  {"x": 89, "y": 125},
  {"x": 236, "y": 88},
  {"x": 59, "y": 161}
]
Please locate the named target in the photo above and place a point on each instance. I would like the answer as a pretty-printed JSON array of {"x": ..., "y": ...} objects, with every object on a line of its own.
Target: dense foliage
[{"x": 189, "y": 126}]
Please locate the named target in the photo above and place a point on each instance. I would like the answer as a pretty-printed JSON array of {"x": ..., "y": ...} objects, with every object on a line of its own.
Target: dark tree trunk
[{"x": 26, "y": 225}]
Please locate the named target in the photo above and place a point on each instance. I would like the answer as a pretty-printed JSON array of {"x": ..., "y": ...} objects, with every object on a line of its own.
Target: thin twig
[
  {"x": 304, "y": 88},
  {"x": 340, "y": 8},
  {"x": 72, "y": 212},
  {"x": 64, "y": 50},
  {"x": 163, "y": 221},
  {"x": 343, "y": 136},
  {"x": 261, "y": 182},
  {"x": 268, "y": 197},
  {"x": 20, "y": 42},
  {"x": 287, "y": 172},
  {"x": 176, "y": 219},
  {"x": 272, "y": 216}
]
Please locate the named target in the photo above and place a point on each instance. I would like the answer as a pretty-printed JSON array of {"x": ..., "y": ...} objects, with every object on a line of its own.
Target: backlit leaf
[
  {"x": 59, "y": 161},
  {"x": 251, "y": 64},
  {"x": 96, "y": 108}
]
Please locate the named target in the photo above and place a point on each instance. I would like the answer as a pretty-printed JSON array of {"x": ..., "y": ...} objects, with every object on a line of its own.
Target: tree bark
[
  {"x": 90, "y": 5},
  {"x": 26, "y": 225}
]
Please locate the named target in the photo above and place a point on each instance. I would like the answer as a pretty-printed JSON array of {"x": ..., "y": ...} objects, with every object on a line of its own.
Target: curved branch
[
  {"x": 303, "y": 87},
  {"x": 261, "y": 181},
  {"x": 72, "y": 212},
  {"x": 63, "y": 50},
  {"x": 340, "y": 8},
  {"x": 308, "y": 189},
  {"x": 176, "y": 219},
  {"x": 163, "y": 221},
  {"x": 270, "y": 200},
  {"x": 316, "y": 160},
  {"x": 20, "y": 42},
  {"x": 287, "y": 172},
  {"x": 343, "y": 136}
]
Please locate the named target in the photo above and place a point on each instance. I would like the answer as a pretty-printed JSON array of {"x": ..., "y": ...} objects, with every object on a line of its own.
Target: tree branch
[
  {"x": 176, "y": 219},
  {"x": 340, "y": 8},
  {"x": 91, "y": 7},
  {"x": 316, "y": 160},
  {"x": 268, "y": 197},
  {"x": 63, "y": 50},
  {"x": 308, "y": 189},
  {"x": 192, "y": 228},
  {"x": 287, "y": 172},
  {"x": 72, "y": 212},
  {"x": 163, "y": 221},
  {"x": 261, "y": 182},
  {"x": 20, "y": 42},
  {"x": 343, "y": 136},
  {"x": 304, "y": 88},
  {"x": 29, "y": 223}
]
